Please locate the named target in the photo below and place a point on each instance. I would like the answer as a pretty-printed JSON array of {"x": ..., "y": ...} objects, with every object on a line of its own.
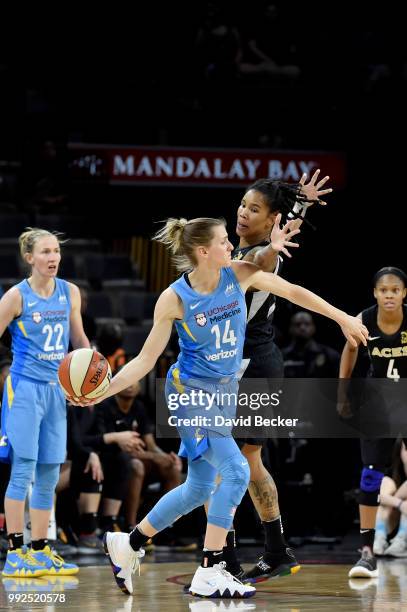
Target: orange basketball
[{"x": 84, "y": 374}]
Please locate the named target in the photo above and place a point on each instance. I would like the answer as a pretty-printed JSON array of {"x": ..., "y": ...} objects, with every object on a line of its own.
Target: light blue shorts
[
  {"x": 195, "y": 441},
  {"x": 34, "y": 419}
]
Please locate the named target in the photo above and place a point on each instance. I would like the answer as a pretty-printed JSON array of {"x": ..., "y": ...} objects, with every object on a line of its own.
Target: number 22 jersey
[
  {"x": 211, "y": 334},
  {"x": 40, "y": 335}
]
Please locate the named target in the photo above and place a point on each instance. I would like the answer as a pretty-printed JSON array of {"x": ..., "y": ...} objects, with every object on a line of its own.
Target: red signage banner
[{"x": 125, "y": 165}]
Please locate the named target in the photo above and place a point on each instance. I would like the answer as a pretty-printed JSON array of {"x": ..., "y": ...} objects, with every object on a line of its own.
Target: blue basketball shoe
[
  {"x": 20, "y": 563},
  {"x": 53, "y": 563}
]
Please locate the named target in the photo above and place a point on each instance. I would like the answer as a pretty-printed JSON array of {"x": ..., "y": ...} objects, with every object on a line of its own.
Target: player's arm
[
  {"x": 392, "y": 499},
  {"x": 349, "y": 357},
  {"x": 10, "y": 308},
  {"x": 77, "y": 333},
  {"x": 249, "y": 275},
  {"x": 346, "y": 366},
  {"x": 168, "y": 308}
]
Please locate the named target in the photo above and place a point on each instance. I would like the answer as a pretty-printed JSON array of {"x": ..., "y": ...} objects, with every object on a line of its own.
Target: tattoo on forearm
[{"x": 265, "y": 498}]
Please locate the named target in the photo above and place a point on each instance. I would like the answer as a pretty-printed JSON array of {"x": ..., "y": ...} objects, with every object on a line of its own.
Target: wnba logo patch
[
  {"x": 201, "y": 319},
  {"x": 37, "y": 317},
  {"x": 230, "y": 289}
]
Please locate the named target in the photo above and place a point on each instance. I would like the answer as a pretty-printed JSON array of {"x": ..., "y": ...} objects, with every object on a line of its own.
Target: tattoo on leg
[{"x": 265, "y": 498}]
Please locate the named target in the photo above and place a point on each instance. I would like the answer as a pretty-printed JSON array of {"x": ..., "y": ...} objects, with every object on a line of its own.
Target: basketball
[{"x": 84, "y": 374}]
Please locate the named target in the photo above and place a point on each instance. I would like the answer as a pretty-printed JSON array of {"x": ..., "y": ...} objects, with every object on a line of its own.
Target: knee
[
  {"x": 236, "y": 471},
  {"x": 46, "y": 479},
  {"x": 370, "y": 482},
  {"x": 257, "y": 469},
  {"x": 22, "y": 474},
  {"x": 195, "y": 494},
  {"x": 137, "y": 468}
]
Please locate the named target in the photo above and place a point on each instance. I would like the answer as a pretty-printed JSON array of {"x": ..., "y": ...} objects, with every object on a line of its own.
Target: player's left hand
[
  {"x": 354, "y": 331},
  {"x": 313, "y": 189},
  {"x": 280, "y": 236}
]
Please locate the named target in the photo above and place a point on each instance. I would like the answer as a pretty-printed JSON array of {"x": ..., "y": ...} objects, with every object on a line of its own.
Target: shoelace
[
  {"x": 224, "y": 572},
  {"x": 29, "y": 558},
  {"x": 364, "y": 554},
  {"x": 139, "y": 554},
  {"x": 57, "y": 559}
]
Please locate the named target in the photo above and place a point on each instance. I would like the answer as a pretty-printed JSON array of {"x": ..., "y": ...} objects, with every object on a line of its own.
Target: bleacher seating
[
  {"x": 12, "y": 224},
  {"x": 131, "y": 306}
]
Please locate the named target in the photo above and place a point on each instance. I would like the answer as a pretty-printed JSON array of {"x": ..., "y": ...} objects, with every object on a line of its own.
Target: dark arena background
[{"x": 112, "y": 122}]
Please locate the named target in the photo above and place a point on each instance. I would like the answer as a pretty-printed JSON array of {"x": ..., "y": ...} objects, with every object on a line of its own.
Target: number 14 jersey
[{"x": 211, "y": 334}]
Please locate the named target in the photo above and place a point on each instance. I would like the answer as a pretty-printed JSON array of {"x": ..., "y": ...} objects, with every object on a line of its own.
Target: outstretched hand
[
  {"x": 354, "y": 331},
  {"x": 313, "y": 189},
  {"x": 280, "y": 236}
]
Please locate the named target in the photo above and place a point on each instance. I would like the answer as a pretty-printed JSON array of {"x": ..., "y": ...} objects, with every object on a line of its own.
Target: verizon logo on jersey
[
  {"x": 51, "y": 356},
  {"x": 221, "y": 355}
]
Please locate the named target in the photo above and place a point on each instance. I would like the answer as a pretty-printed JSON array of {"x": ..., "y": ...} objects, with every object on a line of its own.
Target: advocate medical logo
[{"x": 123, "y": 165}]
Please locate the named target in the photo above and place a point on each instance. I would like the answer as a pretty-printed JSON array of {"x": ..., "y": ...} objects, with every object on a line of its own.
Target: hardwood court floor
[{"x": 159, "y": 589}]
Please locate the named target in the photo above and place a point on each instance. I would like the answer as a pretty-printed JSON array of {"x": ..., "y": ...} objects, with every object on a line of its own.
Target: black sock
[
  {"x": 210, "y": 557},
  {"x": 88, "y": 523},
  {"x": 107, "y": 522},
  {"x": 137, "y": 539},
  {"x": 275, "y": 541},
  {"x": 229, "y": 550},
  {"x": 15, "y": 540},
  {"x": 39, "y": 544},
  {"x": 367, "y": 538}
]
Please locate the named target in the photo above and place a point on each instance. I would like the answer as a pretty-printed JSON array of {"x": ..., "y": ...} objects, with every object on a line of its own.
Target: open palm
[
  {"x": 313, "y": 189},
  {"x": 280, "y": 237}
]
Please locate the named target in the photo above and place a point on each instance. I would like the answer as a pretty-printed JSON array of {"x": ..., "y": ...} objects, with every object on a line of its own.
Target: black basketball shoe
[
  {"x": 272, "y": 565},
  {"x": 366, "y": 567}
]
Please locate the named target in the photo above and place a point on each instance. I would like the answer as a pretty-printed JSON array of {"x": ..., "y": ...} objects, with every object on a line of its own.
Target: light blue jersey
[
  {"x": 212, "y": 332},
  {"x": 40, "y": 335}
]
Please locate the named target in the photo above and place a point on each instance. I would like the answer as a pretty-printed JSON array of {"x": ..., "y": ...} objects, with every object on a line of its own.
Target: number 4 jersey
[
  {"x": 211, "y": 334},
  {"x": 40, "y": 335},
  {"x": 388, "y": 354}
]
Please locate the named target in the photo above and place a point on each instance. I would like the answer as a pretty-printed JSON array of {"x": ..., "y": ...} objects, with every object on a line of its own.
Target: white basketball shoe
[
  {"x": 217, "y": 582},
  {"x": 123, "y": 559},
  {"x": 398, "y": 547}
]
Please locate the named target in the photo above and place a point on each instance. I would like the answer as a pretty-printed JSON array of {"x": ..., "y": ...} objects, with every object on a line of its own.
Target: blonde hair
[
  {"x": 182, "y": 237},
  {"x": 30, "y": 237}
]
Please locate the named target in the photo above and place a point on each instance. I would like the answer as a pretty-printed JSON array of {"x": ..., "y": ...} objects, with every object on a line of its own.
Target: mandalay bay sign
[{"x": 124, "y": 165}]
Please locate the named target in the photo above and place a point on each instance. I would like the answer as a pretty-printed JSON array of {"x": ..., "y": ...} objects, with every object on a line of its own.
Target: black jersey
[
  {"x": 388, "y": 354},
  {"x": 260, "y": 310}
]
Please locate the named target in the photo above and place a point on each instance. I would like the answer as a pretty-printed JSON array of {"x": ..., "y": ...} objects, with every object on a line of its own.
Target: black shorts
[
  {"x": 268, "y": 364},
  {"x": 378, "y": 452}
]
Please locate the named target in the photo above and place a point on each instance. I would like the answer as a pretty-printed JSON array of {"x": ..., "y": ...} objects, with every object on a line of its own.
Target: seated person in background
[
  {"x": 84, "y": 473},
  {"x": 109, "y": 341},
  {"x": 392, "y": 512},
  {"x": 124, "y": 412},
  {"x": 304, "y": 357}
]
